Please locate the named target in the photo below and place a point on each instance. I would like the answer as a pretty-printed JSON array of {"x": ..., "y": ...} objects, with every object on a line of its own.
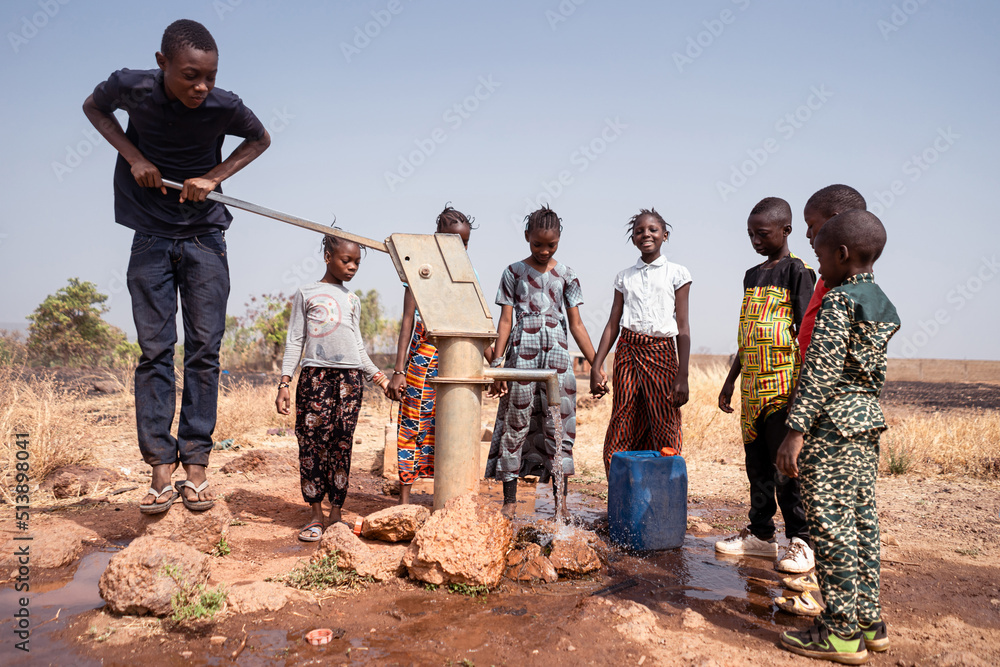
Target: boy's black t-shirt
[
  {"x": 181, "y": 142},
  {"x": 789, "y": 273}
]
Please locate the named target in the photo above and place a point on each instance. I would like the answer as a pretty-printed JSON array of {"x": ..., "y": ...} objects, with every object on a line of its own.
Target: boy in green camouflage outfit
[{"x": 833, "y": 441}]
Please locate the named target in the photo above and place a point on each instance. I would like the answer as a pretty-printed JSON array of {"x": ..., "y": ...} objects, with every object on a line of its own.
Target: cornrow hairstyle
[
  {"x": 543, "y": 218},
  {"x": 185, "y": 32},
  {"x": 331, "y": 242},
  {"x": 860, "y": 231},
  {"x": 774, "y": 209},
  {"x": 652, "y": 212},
  {"x": 451, "y": 217},
  {"x": 835, "y": 199}
]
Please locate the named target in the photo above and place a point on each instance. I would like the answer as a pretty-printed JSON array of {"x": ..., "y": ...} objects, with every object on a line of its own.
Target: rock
[
  {"x": 529, "y": 564},
  {"x": 261, "y": 462},
  {"x": 639, "y": 622},
  {"x": 257, "y": 596},
  {"x": 961, "y": 659},
  {"x": 136, "y": 581},
  {"x": 74, "y": 481},
  {"x": 464, "y": 542},
  {"x": 700, "y": 527},
  {"x": 201, "y": 530},
  {"x": 217, "y": 640},
  {"x": 396, "y": 523},
  {"x": 572, "y": 555},
  {"x": 378, "y": 561},
  {"x": 55, "y": 543},
  {"x": 487, "y": 435},
  {"x": 339, "y": 540},
  {"x": 107, "y": 386},
  {"x": 384, "y": 562},
  {"x": 890, "y": 541},
  {"x": 692, "y": 620}
]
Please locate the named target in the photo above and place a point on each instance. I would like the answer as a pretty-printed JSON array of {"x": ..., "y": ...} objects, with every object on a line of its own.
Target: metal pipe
[
  {"x": 457, "y": 418},
  {"x": 547, "y": 375},
  {"x": 285, "y": 217}
]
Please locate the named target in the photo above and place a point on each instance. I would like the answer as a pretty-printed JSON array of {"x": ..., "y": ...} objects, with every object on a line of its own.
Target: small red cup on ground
[{"x": 319, "y": 636}]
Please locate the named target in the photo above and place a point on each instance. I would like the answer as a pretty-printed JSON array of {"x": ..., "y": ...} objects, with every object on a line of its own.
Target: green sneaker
[
  {"x": 876, "y": 636},
  {"x": 818, "y": 642}
]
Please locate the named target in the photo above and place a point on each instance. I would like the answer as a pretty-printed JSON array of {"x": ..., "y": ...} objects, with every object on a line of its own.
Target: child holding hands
[
  {"x": 534, "y": 294},
  {"x": 650, "y": 311},
  {"x": 324, "y": 336},
  {"x": 414, "y": 370}
]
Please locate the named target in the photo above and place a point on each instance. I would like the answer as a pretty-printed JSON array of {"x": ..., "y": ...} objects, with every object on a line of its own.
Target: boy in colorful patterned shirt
[
  {"x": 776, "y": 294},
  {"x": 833, "y": 441}
]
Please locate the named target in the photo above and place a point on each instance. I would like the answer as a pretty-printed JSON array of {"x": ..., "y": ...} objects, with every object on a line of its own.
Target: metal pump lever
[{"x": 285, "y": 217}]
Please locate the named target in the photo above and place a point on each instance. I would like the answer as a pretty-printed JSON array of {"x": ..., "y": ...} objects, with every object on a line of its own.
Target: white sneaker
[
  {"x": 798, "y": 558},
  {"x": 745, "y": 544}
]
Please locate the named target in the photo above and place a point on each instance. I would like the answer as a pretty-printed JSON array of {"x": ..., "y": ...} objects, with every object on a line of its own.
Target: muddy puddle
[
  {"x": 409, "y": 629},
  {"x": 65, "y": 598}
]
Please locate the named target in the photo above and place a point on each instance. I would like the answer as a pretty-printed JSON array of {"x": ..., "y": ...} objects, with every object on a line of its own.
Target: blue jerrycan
[{"x": 647, "y": 500}]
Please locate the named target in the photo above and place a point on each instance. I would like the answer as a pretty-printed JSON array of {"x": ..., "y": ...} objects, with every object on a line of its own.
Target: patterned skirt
[
  {"x": 643, "y": 416},
  {"x": 327, "y": 403},
  {"x": 415, "y": 437}
]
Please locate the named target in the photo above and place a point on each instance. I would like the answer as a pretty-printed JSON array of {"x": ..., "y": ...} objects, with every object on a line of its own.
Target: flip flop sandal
[
  {"x": 313, "y": 532},
  {"x": 159, "y": 508},
  {"x": 802, "y": 583},
  {"x": 194, "y": 505},
  {"x": 800, "y": 605}
]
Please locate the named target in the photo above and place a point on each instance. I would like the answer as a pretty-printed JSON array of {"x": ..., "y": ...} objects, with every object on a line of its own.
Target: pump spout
[{"x": 546, "y": 375}]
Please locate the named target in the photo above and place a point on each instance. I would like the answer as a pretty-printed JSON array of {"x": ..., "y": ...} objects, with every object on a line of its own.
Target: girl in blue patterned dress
[{"x": 540, "y": 300}]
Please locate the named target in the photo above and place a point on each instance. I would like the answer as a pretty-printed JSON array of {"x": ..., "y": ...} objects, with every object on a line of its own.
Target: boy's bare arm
[
  {"x": 726, "y": 395},
  {"x": 145, "y": 172},
  {"x": 197, "y": 189}
]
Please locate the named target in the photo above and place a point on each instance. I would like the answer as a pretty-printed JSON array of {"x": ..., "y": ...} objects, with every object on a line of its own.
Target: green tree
[
  {"x": 67, "y": 328},
  {"x": 372, "y": 325}
]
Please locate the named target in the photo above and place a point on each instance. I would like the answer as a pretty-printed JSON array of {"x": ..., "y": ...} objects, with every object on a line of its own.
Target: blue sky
[{"x": 382, "y": 111}]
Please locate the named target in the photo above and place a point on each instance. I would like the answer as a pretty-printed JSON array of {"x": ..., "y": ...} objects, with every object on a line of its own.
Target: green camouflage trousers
[{"x": 838, "y": 491}]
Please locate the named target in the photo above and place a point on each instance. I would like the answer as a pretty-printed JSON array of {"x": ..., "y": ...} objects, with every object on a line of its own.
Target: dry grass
[
  {"x": 709, "y": 433},
  {"x": 964, "y": 442},
  {"x": 957, "y": 442},
  {"x": 68, "y": 426},
  {"x": 50, "y": 414}
]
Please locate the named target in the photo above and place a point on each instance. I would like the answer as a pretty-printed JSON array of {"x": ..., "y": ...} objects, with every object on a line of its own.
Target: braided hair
[
  {"x": 185, "y": 32},
  {"x": 543, "y": 218},
  {"x": 451, "y": 217},
  {"x": 652, "y": 212}
]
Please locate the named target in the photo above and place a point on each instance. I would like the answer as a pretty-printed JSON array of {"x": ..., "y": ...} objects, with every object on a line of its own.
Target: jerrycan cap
[{"x": 669, "y": 451}]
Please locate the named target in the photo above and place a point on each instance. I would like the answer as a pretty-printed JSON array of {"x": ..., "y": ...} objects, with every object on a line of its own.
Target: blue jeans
[{"x": 158, "y": 270}]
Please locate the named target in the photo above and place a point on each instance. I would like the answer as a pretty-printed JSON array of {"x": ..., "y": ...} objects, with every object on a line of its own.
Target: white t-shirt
[{"x": 648, "y": 291}]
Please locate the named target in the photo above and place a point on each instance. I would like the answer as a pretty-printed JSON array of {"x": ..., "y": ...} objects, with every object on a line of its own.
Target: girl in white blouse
[{"x": 650, "y": 379}]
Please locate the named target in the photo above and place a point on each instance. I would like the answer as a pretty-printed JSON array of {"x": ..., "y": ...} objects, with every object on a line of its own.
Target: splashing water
[{"x": 558, "y": 478}]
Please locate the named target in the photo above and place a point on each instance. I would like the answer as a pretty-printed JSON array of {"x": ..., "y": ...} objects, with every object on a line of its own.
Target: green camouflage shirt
[{"x": 844, "y": 369}]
